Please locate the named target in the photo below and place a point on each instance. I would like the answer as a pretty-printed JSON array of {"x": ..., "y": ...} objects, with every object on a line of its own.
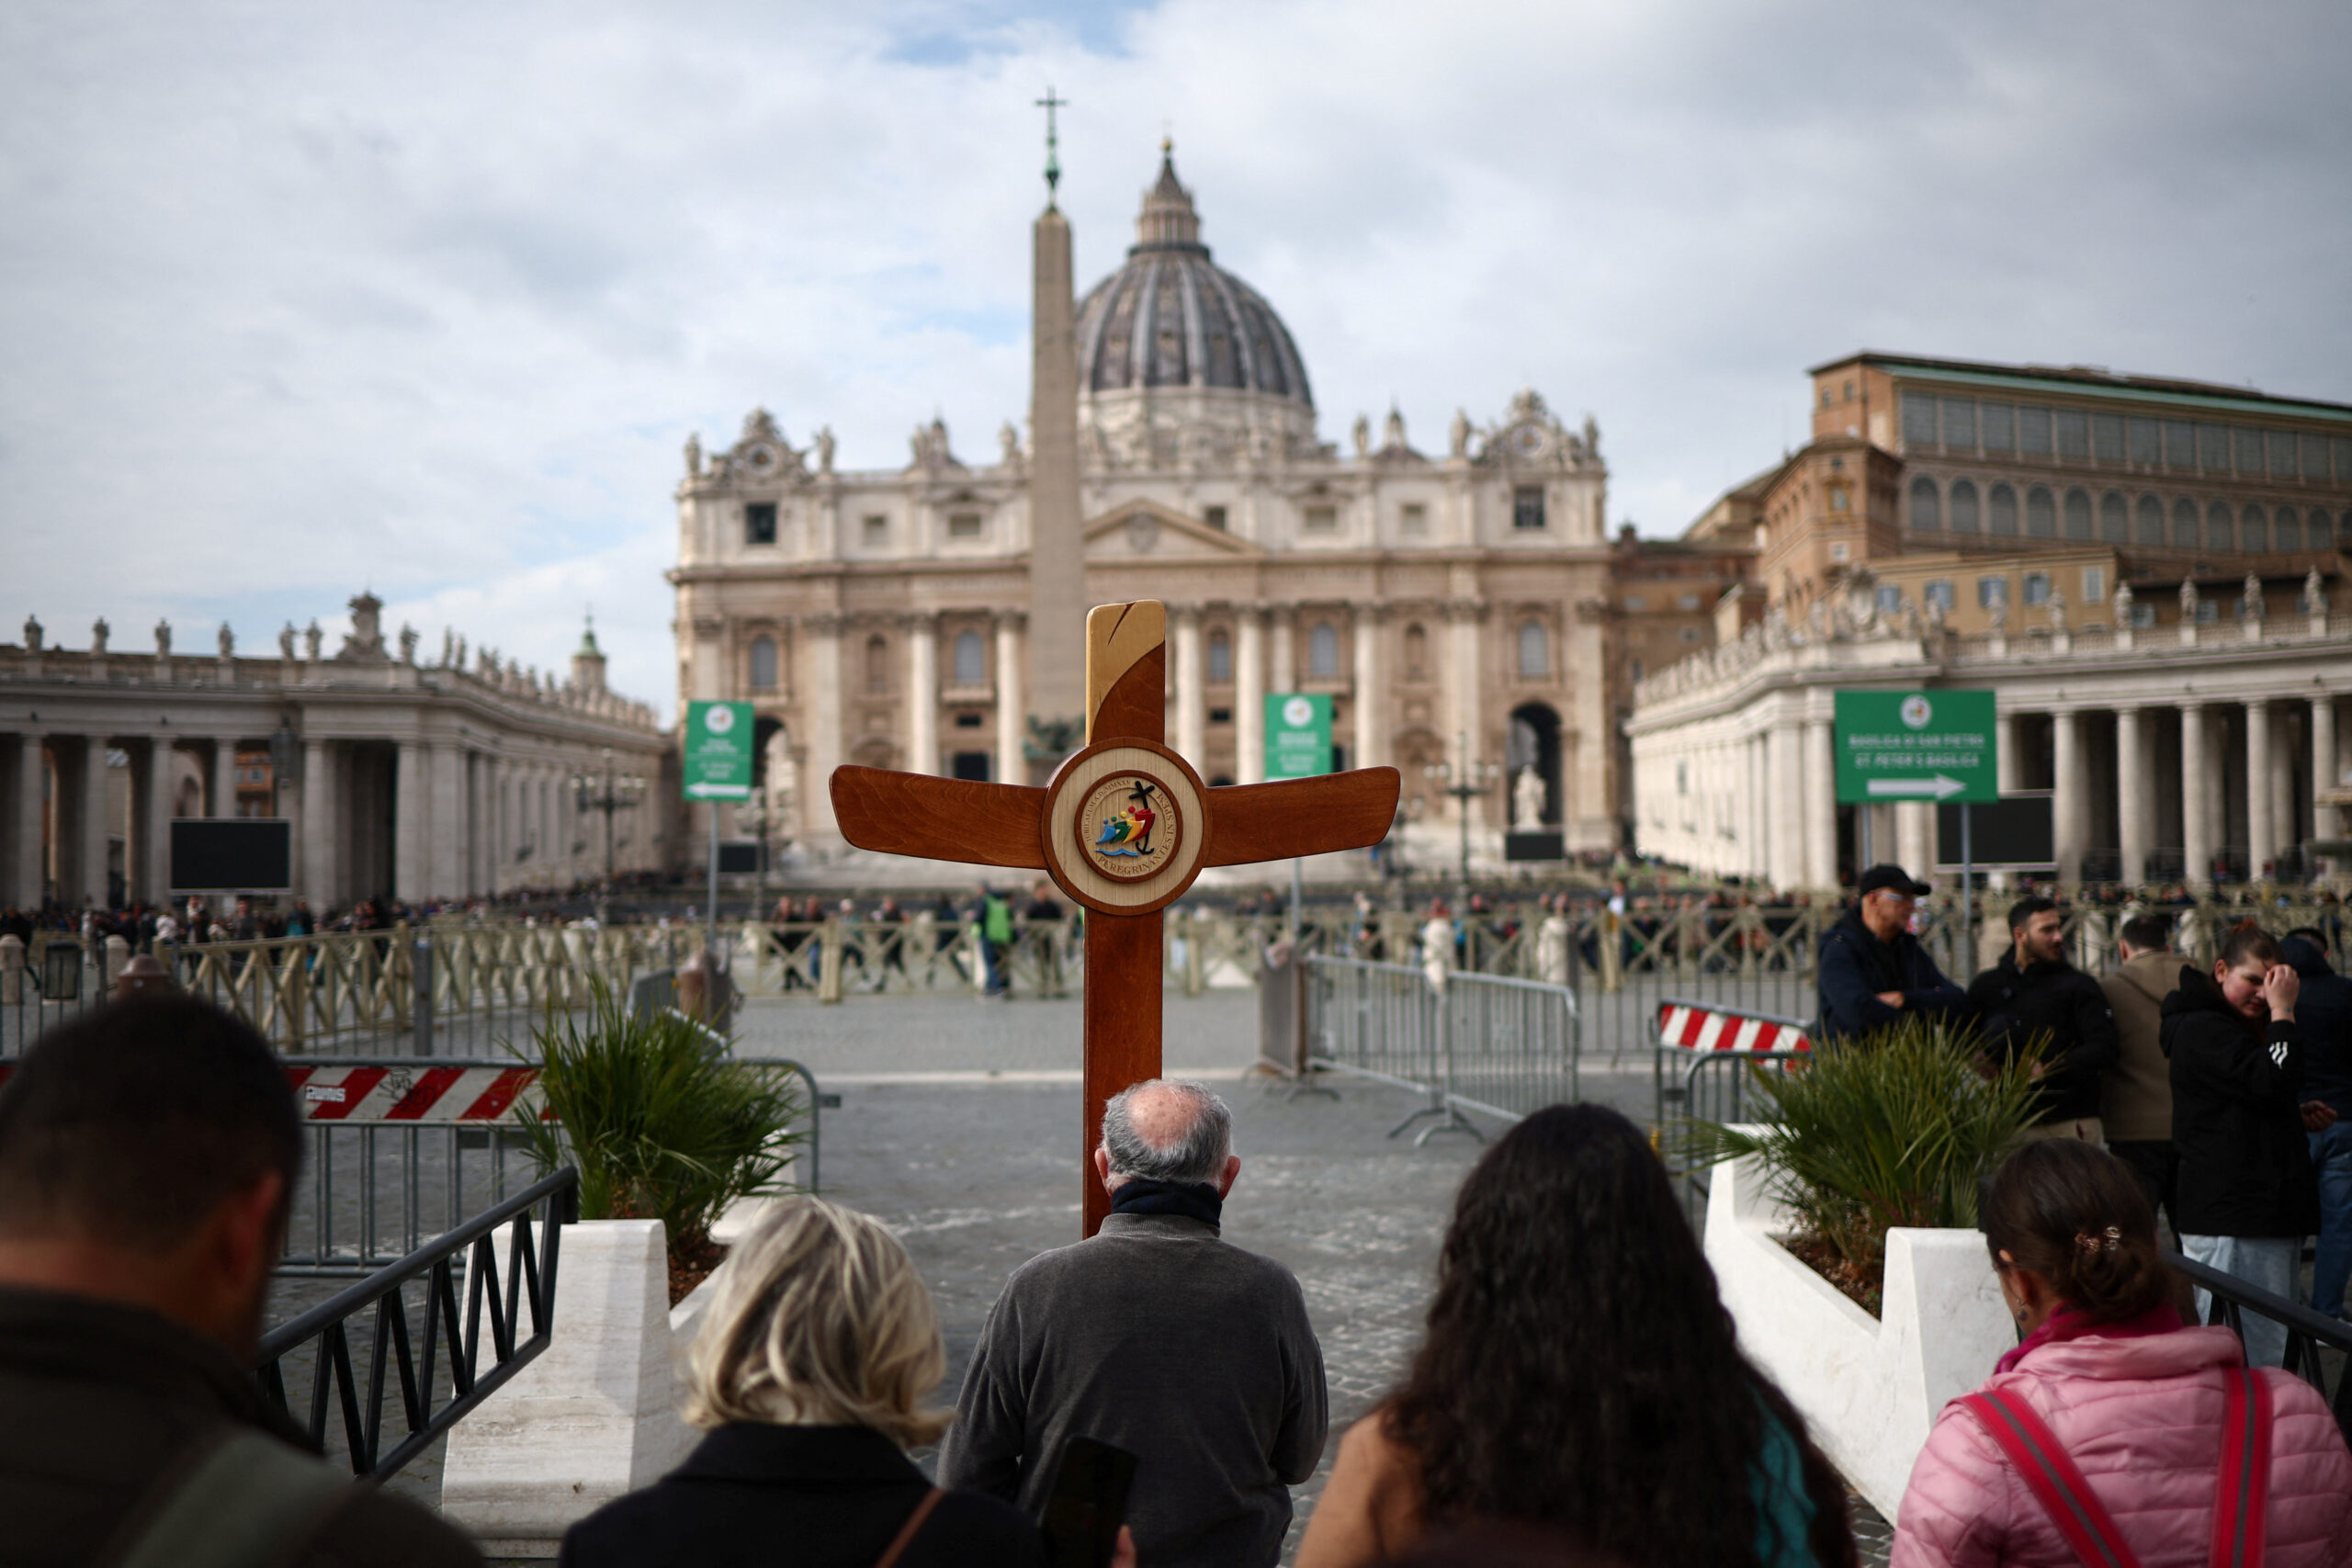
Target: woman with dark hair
[
  {"x": 1579, "y": 1374},
  {"x": 2114, "y": 1434}
]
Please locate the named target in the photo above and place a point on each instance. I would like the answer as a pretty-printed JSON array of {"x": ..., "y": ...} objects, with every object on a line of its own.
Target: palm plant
[
  {"x": 661, "y": 1121},
  {"x": 1894, "y": 1128}
]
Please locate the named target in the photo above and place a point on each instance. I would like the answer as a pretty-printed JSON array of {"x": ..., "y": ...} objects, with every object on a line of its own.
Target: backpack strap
[
  {"x": 2242, "y": 1493},
  {"x": 2088, "y": 1528},
  {"x": 248, "y": 1502},
  {"x": 907, "y": 1531}
]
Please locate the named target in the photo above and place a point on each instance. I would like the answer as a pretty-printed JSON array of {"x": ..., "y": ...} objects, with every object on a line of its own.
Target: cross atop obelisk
[{"x": 1057, "y": 597}]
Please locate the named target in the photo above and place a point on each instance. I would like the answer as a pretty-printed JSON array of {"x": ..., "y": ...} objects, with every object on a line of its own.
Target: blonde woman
[{"x": 810, "y": 1376}]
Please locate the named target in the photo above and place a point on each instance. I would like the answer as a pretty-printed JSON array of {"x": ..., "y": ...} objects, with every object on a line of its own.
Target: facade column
[
  {"x": 922, "y": 693},
  {"x": 94, "y": 823},
  {"x": 1786, "y": 767},
  {"x": 223, "y": 799},
  {"x": 1249, "y": 694},
  {"x": 1914, "y": 838},
  {"x": 2196, "y": 806},
  {"x": 2325, "y": 823},
  {"x": 1820, "y": 806},
  {"x": 1281, "y": 648},
  {"x": 2286, "y": 825},
  {"x": 24, "y": 858},
  {"x": 1011, "y": 705},
  {"x": 2261, "y": 828},
  {"x": 822, "y": 641},
  {"x": 411, "y": 821},
  {"x": 1372, "y": 695},
  {"x": 1191, "y": 699},
  {"x": 150, "y": 817},
  {"x": 1464, "y": 617},
  {"x": 2005, "y": 774},
  {"x": 316, "y": 811},
  {"x": 2069, "y": 805},
  {"x": 2134, "y": 787}
]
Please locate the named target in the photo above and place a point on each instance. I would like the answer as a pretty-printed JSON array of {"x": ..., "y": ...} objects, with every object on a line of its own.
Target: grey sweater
[{"x": 1159, "y": 1337}]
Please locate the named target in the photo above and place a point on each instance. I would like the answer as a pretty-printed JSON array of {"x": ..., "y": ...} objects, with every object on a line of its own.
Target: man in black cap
[{"x": 1873, "y": 971}]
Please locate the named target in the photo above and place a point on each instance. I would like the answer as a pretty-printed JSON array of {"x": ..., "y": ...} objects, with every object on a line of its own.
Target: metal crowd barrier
[
  {"x": 427, "y": 1412},
  {"x": 1499, "y": 1046},
  {"x": 1703, "y": 1059},
  {"x": 2308, "y": 1332}
]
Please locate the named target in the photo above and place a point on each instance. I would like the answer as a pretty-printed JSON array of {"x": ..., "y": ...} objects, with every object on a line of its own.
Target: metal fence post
[
  {"x": 828, "y": 963},
  {"x": 421, "y": 1015}
]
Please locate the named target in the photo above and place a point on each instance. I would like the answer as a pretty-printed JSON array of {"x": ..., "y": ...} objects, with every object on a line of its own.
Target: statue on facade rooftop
[
  {"x": 163, "y": 639},
  {"x": 98, "y": 635},
  {"x": 694, "y": 456},
  {"x": 1457, "y": 436},
  {"x": 228, "y": 641},
  {"x": 825, "y": 449},
  {"x": 32, "y": 635},
  {"x": 285, "y": 642},
  {"x": 312, "y": 638},
  {"x": 408, "y": 643}
]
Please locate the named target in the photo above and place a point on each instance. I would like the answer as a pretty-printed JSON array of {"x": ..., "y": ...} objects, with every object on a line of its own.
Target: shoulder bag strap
[
  {"x": 250, "y": 1501},
  {"x": 2242, "y": 1493},
  {"x": 907, "y": 1531},
  {"x": 2056, "y": 1484}
]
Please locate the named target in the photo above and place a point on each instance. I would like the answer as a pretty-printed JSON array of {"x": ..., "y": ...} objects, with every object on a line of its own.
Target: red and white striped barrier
[
  {"x": 406, "y": 1094},
  {"x": 1693, "y": 1028}
]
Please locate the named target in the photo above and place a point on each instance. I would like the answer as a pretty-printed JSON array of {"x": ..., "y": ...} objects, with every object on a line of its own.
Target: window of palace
[
  {"x": 1413, "y": 520},
  {"x": 2213, "y": 448},
  {"x": 1687, "y": 601},
  {"x": 2143, "y": 441},
  {"x": 2208, "y": 611},
  {"x": 1220, "y": 659},
  {"x": 1890, "y": 598},
  {"x": 877, "y": 534},
  {"x": 1534, "y": 650},
  {"x": 1959, "y": 422},
  {"x": 1319, "y": 519},
  {"x": 963, "y": 525},
  {"x": 2114, "y": 519},
  {"x": 1964, "y": 506},
  {"x": 2001, "y": 510},
  {"x": 1323, "y": 649},
  {"x": 2150, "y": 521},
  {"x": 971, "y": 665},
  {"x": 1527, "y": 507},
  {"x": 2249, "y": 448},
  {"x": 1938, "y": 594},
  {"x": 1999, "y": 422},
  {"x": 759, "y": 523},
  {"x": 2094, "y": 584},
  {"x": 1918, "y": 419},
  {"x": 2143, "y": 614},
  {"x": 973, "y": 765},
  {"x": 2184, "y": 523},
  {"x": 764, "y": 664},
  {"x": 968, "y": 720},
  {"x": 1636, "y": 603},
  {"x": 1417, "y": 652},
  {"x": 877, "y": 664},
  {"x": 2073, "y": 433},
  {"x": 2106, "y": 437},
  {"x": 2037, "y": 588},
  {"x": 1992, "y": 592},
  {"x": 2286, "y": 530},
  {"x": 2041, "y": 513},
  {"x": 2180, "y": 443},
  {"x": 1220, "y": 716},
  {"x": 2254, "y": 529},
  {"x": 1927, "y": 506},
  {"x": 1214, "y": 517},
  {"x": 2220, "y": 530}
]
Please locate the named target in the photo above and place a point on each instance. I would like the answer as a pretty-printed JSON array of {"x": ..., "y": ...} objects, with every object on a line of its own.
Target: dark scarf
[{"x": 1193, "y": 1200}]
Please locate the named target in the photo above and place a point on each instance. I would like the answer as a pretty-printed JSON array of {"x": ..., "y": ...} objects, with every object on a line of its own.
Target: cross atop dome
[{"x": 1168, "y": 221}]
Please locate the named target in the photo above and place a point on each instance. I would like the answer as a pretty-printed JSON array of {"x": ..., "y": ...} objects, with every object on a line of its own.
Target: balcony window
[
  {"x": 1220, "y": 659},
  {"x": 764, "y": 664},
  {"x": 1323, "y": 651},
  {"x": 971, "y": 663},
  {"x": 1527, "y": 507},
  {"x": 759, "y": 523}
]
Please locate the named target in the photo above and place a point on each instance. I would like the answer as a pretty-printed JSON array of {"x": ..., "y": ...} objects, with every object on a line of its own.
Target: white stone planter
[{"x": 1870, "y": 1388}]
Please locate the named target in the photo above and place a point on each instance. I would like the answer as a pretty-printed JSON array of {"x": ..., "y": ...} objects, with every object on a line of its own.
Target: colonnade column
[
  {"x": 93, "y": 822},
  {"x": 2261, "y": 828},
  {"x": 152, "y": 822},
  {"x": 2325, "y": 824},
  {"x": 823, "y": 633},
  {"x": 321, "y": 802},
  {"x": 2195, "y": 814},
  {"x": 1755, "y": 831},
  {"x": 1820, "y": 806},
  {"x": 2070, "y": 807},
  {"x": 922, "y": 693},
  {"x": 27, "y": 873},
  {"x": 223, "y": 802},
  {"x": 1012, "y": 707},
  {"x": 2286, "y": 828},
  {"x": 1786, "y": 767},
  {"x": 1914, "y": 837},
  {"x": 1371, "y": 695},
  {"x": 446, "y": 878},
  {"x": 2005, "y": 772},
  {"x": 411, "y": 822},
  {"x": 2133, "y": 784},
  {"x": 1249, "y": 696},
  {"x": 1192, "y": 700}
]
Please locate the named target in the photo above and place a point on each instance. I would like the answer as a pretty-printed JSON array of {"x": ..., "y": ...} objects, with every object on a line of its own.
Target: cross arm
[
  {"x": 1301, "y": 817},
  {"x": 915, "y": 814}
]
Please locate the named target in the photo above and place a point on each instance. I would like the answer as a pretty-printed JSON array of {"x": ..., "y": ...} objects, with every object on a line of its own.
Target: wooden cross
[{"x": 1122, "y": 827}]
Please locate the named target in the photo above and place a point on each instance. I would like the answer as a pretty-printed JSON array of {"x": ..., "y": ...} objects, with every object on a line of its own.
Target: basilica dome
[{"x": 1172, "y": 317}]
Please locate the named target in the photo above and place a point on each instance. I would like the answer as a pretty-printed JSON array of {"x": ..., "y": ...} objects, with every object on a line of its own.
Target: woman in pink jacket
[{"x": 2115, "y": 1434}]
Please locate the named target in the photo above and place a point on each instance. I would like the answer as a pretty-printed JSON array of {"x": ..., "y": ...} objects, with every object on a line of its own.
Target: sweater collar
[
  {"x": 755, "y": 1450},
  {"x": 1156, "y": 1225},
  {"x": 1193, "y": 1200},
  {"x": 2073, "y": 1323}
]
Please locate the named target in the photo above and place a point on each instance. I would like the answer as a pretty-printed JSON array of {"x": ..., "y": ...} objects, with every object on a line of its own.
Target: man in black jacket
[
  {"x": 2239, "y": 1120},
  {"x": 146, "y": 1153},
  {"x": 2034, "y": 999},
  {"x": 1873, "y": 971}
]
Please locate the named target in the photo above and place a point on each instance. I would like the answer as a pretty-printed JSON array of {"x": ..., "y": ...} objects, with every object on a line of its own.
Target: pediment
[{"x": 1142, "y": 530}]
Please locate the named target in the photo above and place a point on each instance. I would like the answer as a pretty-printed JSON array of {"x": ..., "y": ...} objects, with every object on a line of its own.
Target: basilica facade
[{"x": 1455, "y": 601}]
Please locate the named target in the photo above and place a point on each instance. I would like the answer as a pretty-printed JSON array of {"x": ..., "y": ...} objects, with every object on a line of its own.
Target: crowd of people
[
  {"x": 1578, "y": 1395},
  {"x": 2221, "y": 1088}
]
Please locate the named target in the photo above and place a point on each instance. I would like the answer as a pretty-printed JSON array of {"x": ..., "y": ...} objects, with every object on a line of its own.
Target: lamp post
[
  {"x": 1474, "y": 778},
  {"x": 608, "y": 792}
]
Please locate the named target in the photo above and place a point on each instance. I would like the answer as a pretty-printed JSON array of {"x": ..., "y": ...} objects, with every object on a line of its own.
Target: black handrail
[
  {"x": 2307, "y": 1330},
  {"x": 530, "y": 1277}
]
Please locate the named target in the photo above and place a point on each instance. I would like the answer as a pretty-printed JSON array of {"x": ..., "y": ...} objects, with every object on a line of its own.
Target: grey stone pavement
[{"x": 959, "y": 1127}]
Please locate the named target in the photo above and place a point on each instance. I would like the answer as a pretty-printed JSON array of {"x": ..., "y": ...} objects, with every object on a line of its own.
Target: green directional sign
[
  {"x": 1298, "y": 735},
  {"x": 1914, "y": 746},
  {"x": 718, "y": 751}
]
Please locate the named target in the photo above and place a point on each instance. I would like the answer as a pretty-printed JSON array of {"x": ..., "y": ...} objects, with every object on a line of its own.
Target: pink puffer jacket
[{"x": 2141, "y": 1419}]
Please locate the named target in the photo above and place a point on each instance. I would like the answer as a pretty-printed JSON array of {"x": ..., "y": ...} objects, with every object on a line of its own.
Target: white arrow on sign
[{"x": 1939, "y": 786}]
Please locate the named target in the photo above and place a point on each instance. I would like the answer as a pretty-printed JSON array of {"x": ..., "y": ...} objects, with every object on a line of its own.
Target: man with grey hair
[{"x": 1158, "y": 1337}]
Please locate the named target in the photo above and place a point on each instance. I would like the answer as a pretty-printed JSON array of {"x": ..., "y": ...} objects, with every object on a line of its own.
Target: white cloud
[{"x": 301, "y": 299}]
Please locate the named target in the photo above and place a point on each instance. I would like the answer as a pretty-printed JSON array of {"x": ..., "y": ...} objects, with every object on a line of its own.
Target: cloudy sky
[{"x": 300, "y": 297}]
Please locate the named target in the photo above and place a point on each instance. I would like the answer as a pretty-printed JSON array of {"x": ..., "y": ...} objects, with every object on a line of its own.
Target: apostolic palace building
[
  {"x": 2147, "y": 573},
  {"x": 1452, "y": 598}
]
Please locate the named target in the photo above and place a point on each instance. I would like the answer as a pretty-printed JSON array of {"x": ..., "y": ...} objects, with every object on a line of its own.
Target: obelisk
[{"x": 1057, "y": 599}]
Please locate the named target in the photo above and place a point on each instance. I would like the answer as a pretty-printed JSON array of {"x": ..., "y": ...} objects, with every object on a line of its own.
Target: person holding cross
[{"x": 1159, "y": 1338}]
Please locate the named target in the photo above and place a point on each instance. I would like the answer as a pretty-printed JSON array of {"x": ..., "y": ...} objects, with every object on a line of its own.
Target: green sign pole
[
  {"x": 1298, "y": 745},
  {"x": 717, "y": 767},
  {"x": 1930, "y": 746}
]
